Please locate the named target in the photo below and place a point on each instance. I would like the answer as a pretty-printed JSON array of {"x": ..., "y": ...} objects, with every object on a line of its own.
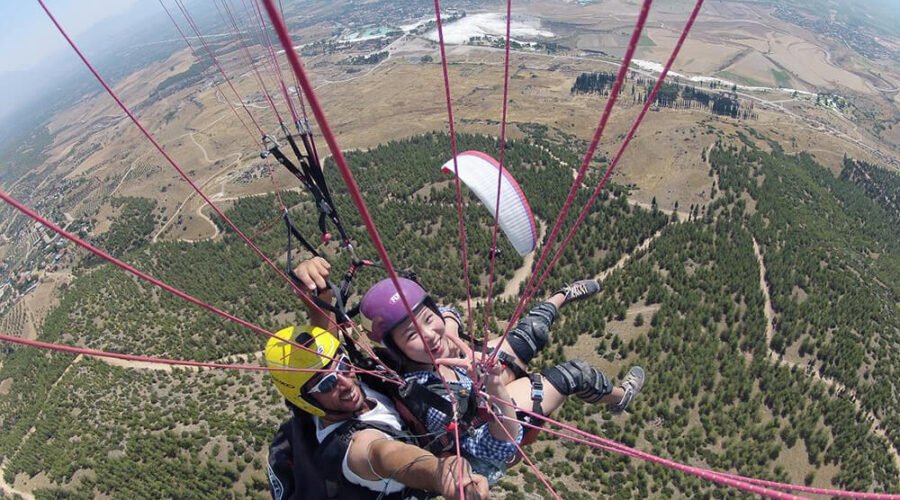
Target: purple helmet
[{"x": 383, "y": 309}]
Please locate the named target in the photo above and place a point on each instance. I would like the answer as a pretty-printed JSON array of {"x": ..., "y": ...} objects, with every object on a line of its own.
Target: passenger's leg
[
  {"x": 532, "y": 333},
  {"x": 529, "y": 337},
  {"x": 520, "y": 390},
  {"x": 592, "y": 386}
]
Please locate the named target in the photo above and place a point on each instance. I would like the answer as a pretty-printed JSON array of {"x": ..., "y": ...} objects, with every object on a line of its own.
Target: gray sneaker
[
  {"x": 632, "y": 383},
  {"x": 581, "y": 289}
]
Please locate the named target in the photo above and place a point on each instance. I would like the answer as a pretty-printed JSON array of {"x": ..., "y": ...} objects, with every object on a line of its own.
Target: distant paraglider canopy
[{"x": 480, "y": 172}]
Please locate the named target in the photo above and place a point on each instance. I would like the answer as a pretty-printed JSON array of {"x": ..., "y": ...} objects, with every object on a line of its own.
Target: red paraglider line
[
  {"x": 246, "y": 52},
  {"x": 534, "y": 468},
  {"x": 249, "y": 60},
  {"x": 202, "y": 41},
  {"x": 146, "y": 277},
  {"x": 248, "y": 57},
  {"x": 459, "y": 462},
  {"x": 215, "y": 61},
  {"x": 297, "y": 85},
  {"x": 274, "y": 60},
  {"x": 596, "y": 441},
  {"x": 453, "y": 148},
  {"x": 213, "y": 80},
  {"x": 153, "y": 360},
  {"x": 637, "y": 122},
  {"x": 299, "y": 292},
  {"x": 707, "y": 475},
  {"x": 346, "y": 174},
  {"x": 487, "y": 308},
  {"x": 268, "y": 225},
  {"x": 697, "y": 471},
  {"x": 601, "y": 126}
]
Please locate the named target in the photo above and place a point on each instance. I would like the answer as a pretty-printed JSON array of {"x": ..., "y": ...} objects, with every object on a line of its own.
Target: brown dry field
[{"x": 402, "y": 97}]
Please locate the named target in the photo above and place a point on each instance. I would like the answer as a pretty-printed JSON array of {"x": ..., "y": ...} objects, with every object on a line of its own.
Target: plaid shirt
[{"x": 476, "y": 442}]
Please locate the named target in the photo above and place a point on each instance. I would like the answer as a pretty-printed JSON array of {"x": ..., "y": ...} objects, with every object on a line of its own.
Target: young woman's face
[{"x": 422, "y": 348}]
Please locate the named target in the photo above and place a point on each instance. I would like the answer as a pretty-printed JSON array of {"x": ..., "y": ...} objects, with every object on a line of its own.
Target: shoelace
[{"x": 575, "y": 290}]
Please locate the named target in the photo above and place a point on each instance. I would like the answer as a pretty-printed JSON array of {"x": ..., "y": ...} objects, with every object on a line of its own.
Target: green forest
[{"x": 689, "y": 309}]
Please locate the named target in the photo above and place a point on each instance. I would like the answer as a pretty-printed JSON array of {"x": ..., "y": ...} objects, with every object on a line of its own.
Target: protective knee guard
[
  {"x": 532, "y": 333},
  {"x": 579, "y": 378},
  {"x": 528, "y": 338}
]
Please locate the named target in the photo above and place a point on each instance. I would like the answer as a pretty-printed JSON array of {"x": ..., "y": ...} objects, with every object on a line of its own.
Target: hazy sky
[{"x": 27, "y": 36}]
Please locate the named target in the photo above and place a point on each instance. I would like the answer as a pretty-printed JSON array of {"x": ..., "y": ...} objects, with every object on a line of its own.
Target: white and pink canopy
[{"x": 479, "y": 172}]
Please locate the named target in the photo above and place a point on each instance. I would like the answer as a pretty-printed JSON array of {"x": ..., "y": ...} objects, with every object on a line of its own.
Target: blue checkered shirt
[{"x": 476, "y": 442}]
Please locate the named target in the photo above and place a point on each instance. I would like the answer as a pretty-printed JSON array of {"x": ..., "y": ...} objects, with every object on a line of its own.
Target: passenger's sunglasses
[{"x": 327, "y": 383}]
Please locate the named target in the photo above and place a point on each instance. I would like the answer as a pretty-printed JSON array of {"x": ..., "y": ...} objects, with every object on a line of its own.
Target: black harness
[
  {"x": 309, "y": 173},
  {"x": 300, "y": 468},
  {"x": 413, "y": 401}
]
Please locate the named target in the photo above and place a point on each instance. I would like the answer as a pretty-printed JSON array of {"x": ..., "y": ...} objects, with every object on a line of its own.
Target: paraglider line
[
  {"x": 637, "y": 122},
  {"x": 463, "y": 243},
  {"x": 346, "y": 174},
  {"x": 512, "y": 439},
  {"x": 630, "y": 452},
  {"x": 213, "y": 80},
  {"x": 146, "y": 277},
  {"x": 267, "y": 46},
  {"x": 153, "y": 360},
  {"x": 601, "y": 126},
  {"x": 296, "y": 85},
  {"x": 500, "y": 173},
  {"x": 215, "y": 61},
  {"x": 298, "y": 291},
  {"x": 708, "y": 474},
  {"x": 265, "y": 228},
  {"x": 248, "y": 57}
]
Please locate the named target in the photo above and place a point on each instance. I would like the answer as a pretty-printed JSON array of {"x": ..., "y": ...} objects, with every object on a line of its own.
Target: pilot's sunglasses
[{"x": 329, "y": 382}]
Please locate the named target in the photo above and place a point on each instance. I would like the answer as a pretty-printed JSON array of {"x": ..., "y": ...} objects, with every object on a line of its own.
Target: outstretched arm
[
  {"x": 313, "y": 274},
  {"x": 372, "y": 456}
]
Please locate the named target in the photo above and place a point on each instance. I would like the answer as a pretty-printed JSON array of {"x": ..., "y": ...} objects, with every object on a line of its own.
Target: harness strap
[
  {"x": 314, "y": 181},
  {"x": 303, "y": 164},
  {"x": 288, "y": 164},
  {"x": 537, "y": 393},
  {"x": 338, "y": 308},
  {"x": 420, "y": 395},
  {"x": 508, "y": 361},
  {"x": 315, "y": 166},
  {"x": 330, "y": 454},
  {"x": 292, "y": 230},
  {"x": 313, "y": 171},
  {"x": 418, "y": 399}
]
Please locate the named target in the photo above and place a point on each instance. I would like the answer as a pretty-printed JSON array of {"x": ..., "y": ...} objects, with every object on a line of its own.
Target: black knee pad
[
  {"x": 579, "y": 378},
  {"x": 528, "y": 338}
]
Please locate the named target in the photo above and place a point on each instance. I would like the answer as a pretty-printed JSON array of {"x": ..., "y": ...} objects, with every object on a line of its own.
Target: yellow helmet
[{"x": 280, "y": 353}]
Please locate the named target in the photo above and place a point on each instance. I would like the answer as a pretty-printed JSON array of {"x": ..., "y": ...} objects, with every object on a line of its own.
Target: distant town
[
  {"x": 853, "y": 37},
  {"x": 44, "y": 252}
]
